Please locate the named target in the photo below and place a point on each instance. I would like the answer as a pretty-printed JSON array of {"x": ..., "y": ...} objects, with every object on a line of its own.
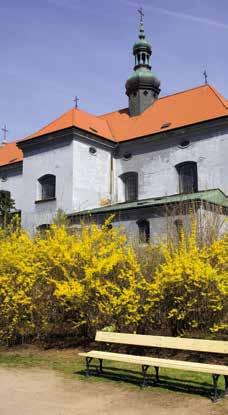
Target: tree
[{"x": 6, "y": 206}]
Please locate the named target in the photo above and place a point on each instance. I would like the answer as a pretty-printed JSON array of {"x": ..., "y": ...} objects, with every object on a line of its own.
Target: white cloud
[
  {"x": 178, "y": 15},
  {"x": 69, "y": 4}
]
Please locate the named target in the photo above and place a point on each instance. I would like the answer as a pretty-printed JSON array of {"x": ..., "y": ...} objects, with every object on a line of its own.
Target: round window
[
  {"x": 127, "y": 156},
  {"x": 92, "y": 150},
  {"x": 184, "y": 144}
]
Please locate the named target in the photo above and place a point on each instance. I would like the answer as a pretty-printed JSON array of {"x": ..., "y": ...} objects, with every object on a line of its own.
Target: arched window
[
  {"x": 188, "y": 181},
  {"x": 144, "y": 231},
  {"x": 47, "y": 187},
  {"x": 130, "y": 181},
  {"x": 43, "y": 227}
]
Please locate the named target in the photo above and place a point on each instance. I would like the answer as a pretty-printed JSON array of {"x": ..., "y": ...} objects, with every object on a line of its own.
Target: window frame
[
  {"x": 144, "y": 231},
  {"x": 183, "y": 186},
  {"x": 47, "y": 188},
  {"x": 126, "y": 178}
]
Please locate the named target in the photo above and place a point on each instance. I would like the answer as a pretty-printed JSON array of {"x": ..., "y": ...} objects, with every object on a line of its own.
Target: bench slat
[
  {"x": 151, "y": 361},
  {"x": 199, "y": 345}
]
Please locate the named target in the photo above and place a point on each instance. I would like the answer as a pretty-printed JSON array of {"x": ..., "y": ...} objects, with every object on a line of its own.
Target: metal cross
[
  {"x": 205, "y": 76},
  {"x": 141, "y": 14},
  {"x": 76, "y": 100},
  {"x": 5, "y": 131}
]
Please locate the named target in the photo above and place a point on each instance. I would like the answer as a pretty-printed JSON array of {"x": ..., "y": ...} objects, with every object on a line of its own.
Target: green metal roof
[
  {"x": 142, "y": 72},
  {"x": 214, "y": 196},
  {"x": 143, "y": 43}
]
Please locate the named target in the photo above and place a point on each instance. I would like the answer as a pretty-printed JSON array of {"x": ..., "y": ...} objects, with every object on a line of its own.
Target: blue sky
[{"x": 52, "y": 50}]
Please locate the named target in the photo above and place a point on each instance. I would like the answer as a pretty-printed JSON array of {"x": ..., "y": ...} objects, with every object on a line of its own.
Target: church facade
[{"x": 144, "y": 164}]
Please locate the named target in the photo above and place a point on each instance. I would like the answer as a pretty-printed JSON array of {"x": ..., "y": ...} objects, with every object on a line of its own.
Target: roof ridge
[
  {"x": 219, "y": 96},
  {"x": 47, "y": 125},
  {"x": 110, "y": 129},
  {"x": 185, "y": 90},
  {"x": 95, "y": 116},
  {"x": 112, "y": 112}
]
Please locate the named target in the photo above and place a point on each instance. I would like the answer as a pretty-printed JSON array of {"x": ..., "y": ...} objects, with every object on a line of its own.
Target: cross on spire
[
  {"x": 141, "y": 12},
  {"x": 76, "y": 101},
  {"x": 141, "y": 26},
  {"x": 205, "y": 77},
  {"x": 5, "y": 131}
]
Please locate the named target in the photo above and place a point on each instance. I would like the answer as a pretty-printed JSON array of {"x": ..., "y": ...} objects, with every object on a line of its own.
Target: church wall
[
  {"x": 161, "y": 220},
  {"x": 155, "y": 164},
  {"x": 92, "y": 176},
  {"x": 155, "y": 217},
  {"x": 163, "y": 226},
  {"x": 56, "y": 160},
  {"x": 213, "y": 220},
  {"x": 13, "y": 183}
]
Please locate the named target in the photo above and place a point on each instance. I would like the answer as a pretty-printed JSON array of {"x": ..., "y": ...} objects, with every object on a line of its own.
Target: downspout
[
  {"x": 111, "y": 178},
  {"x": 112, "y": 174}
]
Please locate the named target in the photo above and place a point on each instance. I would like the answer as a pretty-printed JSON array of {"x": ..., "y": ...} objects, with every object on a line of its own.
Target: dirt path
[{"x": 39, "y": 392}]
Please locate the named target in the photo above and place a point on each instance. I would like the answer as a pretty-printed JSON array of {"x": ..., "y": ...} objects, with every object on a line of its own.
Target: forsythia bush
[
  {"x": 70, "y": 283},
  {"x": 92, "y": 276},
  {"x": 189, "y": 290},
  {"x": 18, "y": 271},
  {"x": 66, "y": 282}
]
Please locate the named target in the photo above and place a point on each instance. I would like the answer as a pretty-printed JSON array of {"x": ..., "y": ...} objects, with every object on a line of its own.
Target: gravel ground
[{"x": 45, "y": 392}]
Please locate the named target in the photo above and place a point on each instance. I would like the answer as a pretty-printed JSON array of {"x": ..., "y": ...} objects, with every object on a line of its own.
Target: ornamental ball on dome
[{"x": 142, "y": 46}]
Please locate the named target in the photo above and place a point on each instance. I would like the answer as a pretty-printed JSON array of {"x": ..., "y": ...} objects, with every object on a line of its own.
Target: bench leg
[
  {"x": 100, "y": 366},
  {"x": 215, "y": 382},
  {"x": 88, "y": 361},
  {"x": 156, "y": 374},
  {"x": 226, "y": 385},
  {"x": 144, "y": 370}
]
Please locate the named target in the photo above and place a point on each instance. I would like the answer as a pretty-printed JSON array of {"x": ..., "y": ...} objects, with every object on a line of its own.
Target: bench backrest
[{"x": 210, "y": 346}]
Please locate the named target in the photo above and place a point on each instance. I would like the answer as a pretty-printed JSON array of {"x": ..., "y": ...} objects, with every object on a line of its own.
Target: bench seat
[{"x": 157, "y": 362}]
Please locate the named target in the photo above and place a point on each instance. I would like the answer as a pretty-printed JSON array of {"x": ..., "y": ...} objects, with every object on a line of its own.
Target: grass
[{"x": 70, "y": 364}]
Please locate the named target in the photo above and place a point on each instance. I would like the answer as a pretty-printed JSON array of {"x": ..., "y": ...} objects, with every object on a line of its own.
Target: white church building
[{"x": 133, "y": 163}]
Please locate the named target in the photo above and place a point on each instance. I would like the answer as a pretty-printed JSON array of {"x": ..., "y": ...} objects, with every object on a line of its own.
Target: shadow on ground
[{"x": 128, "y": 376}]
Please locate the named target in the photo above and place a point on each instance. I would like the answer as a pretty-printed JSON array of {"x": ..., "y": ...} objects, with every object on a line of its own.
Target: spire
[
  {"x": 141, "y": 28},
  {"x": 142, "y": 87},
  {"x": 142, "y": 49}
]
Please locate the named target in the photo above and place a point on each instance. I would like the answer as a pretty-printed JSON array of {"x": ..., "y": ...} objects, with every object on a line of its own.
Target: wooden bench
[{"x": 196, "y": 345}]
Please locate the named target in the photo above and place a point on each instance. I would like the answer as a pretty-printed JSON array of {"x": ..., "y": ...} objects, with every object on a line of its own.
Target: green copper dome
[
  {"x": 142, "y": 78},
  {"x": 142, "y": 45}
]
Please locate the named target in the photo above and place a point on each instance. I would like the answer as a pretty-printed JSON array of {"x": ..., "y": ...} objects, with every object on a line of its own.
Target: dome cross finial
[
  {"x": 141, "y": 30},
  {"x": 141, "y": 12}
]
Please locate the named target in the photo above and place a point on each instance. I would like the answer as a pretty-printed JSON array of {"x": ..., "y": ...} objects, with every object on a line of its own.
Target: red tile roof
[
  {"x": 184, "y": 108},
  {"x": 10, "y": 154},
  {"x": 78, "y": 118},
  {"x": 174, "y": 111}
]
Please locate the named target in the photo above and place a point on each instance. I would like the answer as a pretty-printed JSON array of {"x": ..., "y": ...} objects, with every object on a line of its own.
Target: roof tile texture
[{"x": 10, "y": 154}]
